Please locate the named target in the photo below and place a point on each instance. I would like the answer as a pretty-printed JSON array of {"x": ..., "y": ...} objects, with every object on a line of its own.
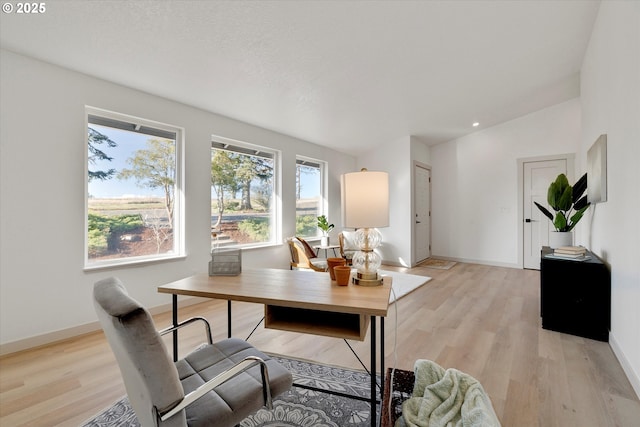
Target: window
[
  {"x": 243, "y": 194},
  {"x": 133, "y": 191},
  {"x": 309, "y": 195}
]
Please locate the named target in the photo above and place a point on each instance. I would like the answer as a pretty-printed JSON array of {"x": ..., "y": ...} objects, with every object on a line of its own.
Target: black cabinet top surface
[{"x": 593, "y": 258}]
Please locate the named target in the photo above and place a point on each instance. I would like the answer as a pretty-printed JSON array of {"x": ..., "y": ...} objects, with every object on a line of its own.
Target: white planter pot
[
  {"x": 324, "y": 241},
  {"x": 560, "y": 238}
]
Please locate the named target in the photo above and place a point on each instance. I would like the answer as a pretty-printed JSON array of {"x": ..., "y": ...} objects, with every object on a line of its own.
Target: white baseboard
[
  {"x": 75, "y": 331},
  {"x": 632, "y": 375},
  {"x": 48, "y": 338},
  {"x": 476, "y": 261},
  {"x": 465, "y": 260},
  {"x": 392, "y": 263}
]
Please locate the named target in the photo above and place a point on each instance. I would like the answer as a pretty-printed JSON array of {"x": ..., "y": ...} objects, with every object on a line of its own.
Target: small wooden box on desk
[{"x": 575, "y": 296}]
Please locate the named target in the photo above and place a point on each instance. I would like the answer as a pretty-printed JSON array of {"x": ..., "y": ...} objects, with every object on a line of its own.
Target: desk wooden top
[{"x": 287, "y": 288}]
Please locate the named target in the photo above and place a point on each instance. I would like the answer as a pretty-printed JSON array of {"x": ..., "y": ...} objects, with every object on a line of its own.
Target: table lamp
[{"x": 365, "y": 206}]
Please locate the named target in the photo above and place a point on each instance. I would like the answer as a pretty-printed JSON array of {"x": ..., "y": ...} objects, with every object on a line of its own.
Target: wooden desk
[{"x": 300, "y": 301}]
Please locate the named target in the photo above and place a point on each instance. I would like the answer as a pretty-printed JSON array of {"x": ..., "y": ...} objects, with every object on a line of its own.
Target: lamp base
[{"x": 364, "y": 279}]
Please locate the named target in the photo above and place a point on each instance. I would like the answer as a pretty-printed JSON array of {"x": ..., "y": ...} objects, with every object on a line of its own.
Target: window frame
[
  {"x": 179, "y": 235},
  {"x": 323, "y": 204},
  {"x": 276, "y": 209}
]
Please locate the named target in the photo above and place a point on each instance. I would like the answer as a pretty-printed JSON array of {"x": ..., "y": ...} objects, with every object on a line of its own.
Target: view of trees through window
[
  {"x": 308, "y": 196},
  {"x": 242, "y": 193},
  {"x": 131, "y": 183}
]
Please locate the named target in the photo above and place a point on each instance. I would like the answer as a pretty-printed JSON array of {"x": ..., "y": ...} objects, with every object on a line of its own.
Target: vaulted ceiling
[{"x": 349, "y": 75}]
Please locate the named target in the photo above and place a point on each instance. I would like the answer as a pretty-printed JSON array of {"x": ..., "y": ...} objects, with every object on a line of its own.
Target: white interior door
[
  {"x": 537, "y": 177},
  {"x": 422, "y": 202}
]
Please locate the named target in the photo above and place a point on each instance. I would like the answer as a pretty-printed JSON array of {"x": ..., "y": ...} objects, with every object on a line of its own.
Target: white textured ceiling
[{"x": 349, "y": 75}]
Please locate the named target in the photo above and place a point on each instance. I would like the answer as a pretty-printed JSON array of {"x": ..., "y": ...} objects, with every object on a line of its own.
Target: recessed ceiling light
[{"x": 476, "y": 124}]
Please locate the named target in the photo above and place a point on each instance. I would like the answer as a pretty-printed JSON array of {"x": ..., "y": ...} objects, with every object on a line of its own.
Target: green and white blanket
[{"x": 446, "y": 398}]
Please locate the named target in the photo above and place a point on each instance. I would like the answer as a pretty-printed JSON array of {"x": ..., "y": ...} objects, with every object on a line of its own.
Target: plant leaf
[
  {"x": 576, "y": 217},
  {"x": 556, "y": 191},
  {"x": 562, "y": 182},
  {"x": 564, "y": 203},
  {"x": 553, "y": 195},
  {"x": 582, "y": 203},
  {"x": 579, "y": 188},
  {"x": 560, "y": 223},
  {"x": 544, "y": 210},
  {"x": 563, "y": 199}
]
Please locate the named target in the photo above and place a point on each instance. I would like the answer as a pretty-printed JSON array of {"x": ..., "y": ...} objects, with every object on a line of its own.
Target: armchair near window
[
  {"x": 302, "y": 256},
  {"x": 348, "y": 246},
  {"x": 216, "y": 384}
]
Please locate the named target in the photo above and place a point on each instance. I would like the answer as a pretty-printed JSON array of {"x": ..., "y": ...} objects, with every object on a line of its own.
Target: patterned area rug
[
  {"x": 297, "y": 407},
  {"x": 440, "y": 264}
]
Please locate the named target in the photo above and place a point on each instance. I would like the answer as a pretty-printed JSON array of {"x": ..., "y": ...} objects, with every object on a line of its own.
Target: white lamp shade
[{"x": 365, "y": 199}]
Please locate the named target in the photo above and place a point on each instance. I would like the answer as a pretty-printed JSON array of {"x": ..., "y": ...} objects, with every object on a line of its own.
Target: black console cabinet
[{"x": 575, "y": 296}]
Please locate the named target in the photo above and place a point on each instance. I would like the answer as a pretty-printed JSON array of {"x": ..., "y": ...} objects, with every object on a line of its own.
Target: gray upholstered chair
[{"x": 216, "y": 384}]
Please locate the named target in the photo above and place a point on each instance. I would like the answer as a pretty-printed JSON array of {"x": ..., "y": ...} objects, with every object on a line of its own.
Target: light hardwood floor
[{"x": 479, "y": 319}]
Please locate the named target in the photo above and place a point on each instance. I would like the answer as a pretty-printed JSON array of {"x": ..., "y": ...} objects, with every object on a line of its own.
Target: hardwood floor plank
[{"x": 498, "y": 365}]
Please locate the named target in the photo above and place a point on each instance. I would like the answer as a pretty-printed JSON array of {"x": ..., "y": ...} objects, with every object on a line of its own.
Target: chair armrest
[
  {"x": 221, "y": 378},
  {"x": 188, "y": 322}
]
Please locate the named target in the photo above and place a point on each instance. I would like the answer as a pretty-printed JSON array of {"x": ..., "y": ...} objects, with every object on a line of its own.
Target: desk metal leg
[
  {"x": 382, "y": 372},
  {"x": 374, "y": 393},
  {"x": 174, "y": 318},
  {"x": 228, "y": 318}
]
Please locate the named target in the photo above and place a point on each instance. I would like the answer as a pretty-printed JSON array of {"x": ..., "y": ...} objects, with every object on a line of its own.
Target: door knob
[{"x": 528, "y": 220}]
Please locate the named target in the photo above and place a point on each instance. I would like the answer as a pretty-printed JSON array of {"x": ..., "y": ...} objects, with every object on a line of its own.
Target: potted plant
[
  {"x": 569, "y": 205},
  {"x": 324, "y": 225}
]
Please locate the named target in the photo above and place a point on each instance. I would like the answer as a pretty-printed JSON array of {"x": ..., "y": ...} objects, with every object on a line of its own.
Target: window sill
[{"x": 133, "y": 262}]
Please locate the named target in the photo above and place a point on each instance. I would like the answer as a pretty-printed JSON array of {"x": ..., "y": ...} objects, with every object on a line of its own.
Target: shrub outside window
[
  {"x": 309, "y": 195},
  {"x": 133, "y": 190},
  {"x": 243, "y": 194}
]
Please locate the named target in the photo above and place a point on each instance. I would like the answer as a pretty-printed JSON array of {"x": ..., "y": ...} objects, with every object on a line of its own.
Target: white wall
[
  {"x": 397, "y": 158},
  {"x": 43, "y": 287},
  {"x": 610, "y": 94},
  {"x": 393, "y": 158},
  {"x": 474, "y": 183},
  {"x": 420, "y": 152}
]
